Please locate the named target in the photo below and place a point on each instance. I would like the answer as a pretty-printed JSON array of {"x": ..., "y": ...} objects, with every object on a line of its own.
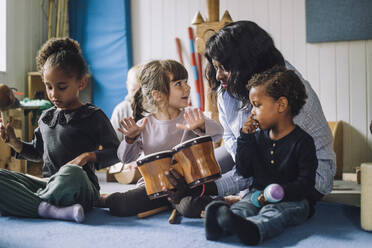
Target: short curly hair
[
  {"x": 64, "y": 53},
  {"x": 278, "y": 82}
]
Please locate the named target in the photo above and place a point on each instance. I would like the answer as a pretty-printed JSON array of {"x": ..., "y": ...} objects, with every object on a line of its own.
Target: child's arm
[
  {"x": 131, "y": 129},
  {"x": 108, "y": 140},
  {"x": 201, "y": 125},
  {"x": 307, "y": 165},
  {"x": 246, "y": 154},
  {"x": 131, "y": 146},
  {"x": 246, "y": 151}
]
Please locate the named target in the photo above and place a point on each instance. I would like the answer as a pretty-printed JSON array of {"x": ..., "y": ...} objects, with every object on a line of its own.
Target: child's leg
[
  {"x": 18, "y": 198},
  {"x": 274, "y": 218},
  {"x": 132, "y": 202},
  {"x": 192, "y": 206},
  {"x": 246, "y": 230},
  {"x": 17, "y": 194},
  {"x": 70, "y": 185},
  {"x": 213, "y": 230},
  {"x": 221, "y": 218}
]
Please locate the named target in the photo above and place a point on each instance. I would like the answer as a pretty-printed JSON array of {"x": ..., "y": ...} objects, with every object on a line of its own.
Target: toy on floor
[{"x": 272, "y": 193}]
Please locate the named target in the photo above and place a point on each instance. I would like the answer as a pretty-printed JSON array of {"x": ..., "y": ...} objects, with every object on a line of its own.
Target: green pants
[{"x": 21, "y": 195}]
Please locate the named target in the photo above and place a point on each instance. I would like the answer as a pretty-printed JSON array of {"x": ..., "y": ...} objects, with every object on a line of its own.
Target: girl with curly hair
[{"x": 68, "y": 140}]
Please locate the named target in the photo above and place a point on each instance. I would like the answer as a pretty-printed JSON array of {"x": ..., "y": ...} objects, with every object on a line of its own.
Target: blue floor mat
[{"x": 333, "y": 225}]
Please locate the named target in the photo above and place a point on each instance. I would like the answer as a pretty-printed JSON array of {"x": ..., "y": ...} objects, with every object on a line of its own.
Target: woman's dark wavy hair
[
  {"x": 279, "y": 82},
  {"x": 64, "y": 53},
  {"x": 244, "y": 49}
]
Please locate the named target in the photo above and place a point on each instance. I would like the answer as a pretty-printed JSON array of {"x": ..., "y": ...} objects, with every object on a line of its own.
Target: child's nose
[{"x": 54, "y": 93}]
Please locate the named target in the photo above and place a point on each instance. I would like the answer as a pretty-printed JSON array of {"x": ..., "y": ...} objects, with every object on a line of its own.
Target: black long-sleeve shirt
[
  {"x": 63, "y": 135},
  {"x": 290, "y": 161}
]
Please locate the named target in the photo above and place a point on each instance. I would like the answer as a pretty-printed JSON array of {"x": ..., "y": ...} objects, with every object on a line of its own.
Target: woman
[{"x": 234, "y": 54}]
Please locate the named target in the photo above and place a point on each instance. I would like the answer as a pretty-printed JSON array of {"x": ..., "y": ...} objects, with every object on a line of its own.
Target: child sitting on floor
[
  {"x": 67, "y": 140},
  {"x": 165, "y": 93},
  {"x": 279, "y": 152}
]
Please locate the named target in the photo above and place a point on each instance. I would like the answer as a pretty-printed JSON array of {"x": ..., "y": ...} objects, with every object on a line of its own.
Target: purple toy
[{"x": 272, "y": 193}]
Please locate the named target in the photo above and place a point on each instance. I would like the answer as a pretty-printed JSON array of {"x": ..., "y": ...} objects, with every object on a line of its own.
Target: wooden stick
[
  {"x": 65, "y": 20},
  {"x": 179, "y": 49},
  {"x": 175, "y": 217},
  {"x": 50, "y": 20},
  {"x": 152, "y": 212},
  {"x": 59, "y": 4}
]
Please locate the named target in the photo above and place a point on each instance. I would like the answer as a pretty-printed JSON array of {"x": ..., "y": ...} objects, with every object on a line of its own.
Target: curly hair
[
  {"x": 64, "y": 53},
  {"x": 155, "y": 75},
  {"x": 244, "y": 49},
  {"x": 279, "y": 82}
]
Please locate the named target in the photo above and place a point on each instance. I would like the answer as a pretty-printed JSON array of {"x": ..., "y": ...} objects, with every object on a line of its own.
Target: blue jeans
[{"x": 272, "y": 219}]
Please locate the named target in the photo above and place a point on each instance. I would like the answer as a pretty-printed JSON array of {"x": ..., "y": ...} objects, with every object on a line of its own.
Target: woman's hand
[
  {"x": 194, "y": 119},
  {"x": 130, "y": 129},
  {"x": 84, "y": 158},
  {"x": 250, "y": 125},
  {"x": 7, "y": 134}
]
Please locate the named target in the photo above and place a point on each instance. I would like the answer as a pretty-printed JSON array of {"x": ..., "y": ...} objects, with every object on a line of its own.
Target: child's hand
[
  {"x": 180, "y": 186},
  {"x": 8, "y": 136},
  {"x": 194, "y": 119},
  {"x": 250, "y": 125},
  {"x": 84, "y": 158},
  {"x": 130, "y": 128}
]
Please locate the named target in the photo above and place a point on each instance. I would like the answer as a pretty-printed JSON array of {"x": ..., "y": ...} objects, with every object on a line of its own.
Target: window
[{"x": 2, "y": 35}]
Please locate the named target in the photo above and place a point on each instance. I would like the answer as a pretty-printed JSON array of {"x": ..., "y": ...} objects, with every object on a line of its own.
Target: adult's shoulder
[{"x": 302, "y": 135}]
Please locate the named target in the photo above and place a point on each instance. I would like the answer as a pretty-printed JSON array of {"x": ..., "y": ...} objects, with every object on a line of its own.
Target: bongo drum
[
  {"x": 152, "y": 168},
  {"x": 197, "y": 160}
]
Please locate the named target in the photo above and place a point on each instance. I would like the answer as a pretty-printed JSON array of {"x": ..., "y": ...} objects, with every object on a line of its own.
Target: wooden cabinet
[{"x": 35, "y": 90}]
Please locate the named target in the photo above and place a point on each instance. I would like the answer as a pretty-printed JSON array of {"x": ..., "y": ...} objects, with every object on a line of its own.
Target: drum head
[
  {"x": 191, "y": 142},
  {"x": 154, "y": 156}
]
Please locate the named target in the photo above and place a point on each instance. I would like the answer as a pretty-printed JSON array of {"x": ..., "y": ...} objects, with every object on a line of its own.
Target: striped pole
[
  {"x": 201, "y": 85},
  {"x": 194, "y": 67}
]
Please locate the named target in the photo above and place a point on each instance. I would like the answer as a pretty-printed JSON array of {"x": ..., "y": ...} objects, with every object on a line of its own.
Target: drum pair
[{"x": 193, "y": 159}]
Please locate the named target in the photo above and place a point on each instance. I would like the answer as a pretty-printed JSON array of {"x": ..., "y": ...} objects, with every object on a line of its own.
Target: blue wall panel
[{"x": 103, "y": 31}]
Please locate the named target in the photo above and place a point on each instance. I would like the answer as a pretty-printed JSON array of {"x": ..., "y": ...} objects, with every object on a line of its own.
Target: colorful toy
[{"x": 272, "y": 193}]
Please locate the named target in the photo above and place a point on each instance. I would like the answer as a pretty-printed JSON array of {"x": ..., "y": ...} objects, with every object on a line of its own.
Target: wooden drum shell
[
  {"x": 197, "y": 160},
  {"x": 152, "y": 168}
]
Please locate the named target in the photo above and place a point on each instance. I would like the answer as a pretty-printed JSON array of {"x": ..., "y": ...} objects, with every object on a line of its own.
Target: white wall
[
  {"x": 340, "y": 72},
  {"x": 26, "y": 31}
]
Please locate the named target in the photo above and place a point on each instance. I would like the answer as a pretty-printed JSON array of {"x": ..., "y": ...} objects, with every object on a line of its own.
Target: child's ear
[
  {"x": 157, "y": 95},
  {"x": 283, "y": 104},
  {"x": 83, "y": 82}
]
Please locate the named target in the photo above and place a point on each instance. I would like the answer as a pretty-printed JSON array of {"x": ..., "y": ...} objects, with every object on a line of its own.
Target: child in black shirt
[
  {"x": 67, "y": 140},
  {"x": 278, "y": 152}
]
